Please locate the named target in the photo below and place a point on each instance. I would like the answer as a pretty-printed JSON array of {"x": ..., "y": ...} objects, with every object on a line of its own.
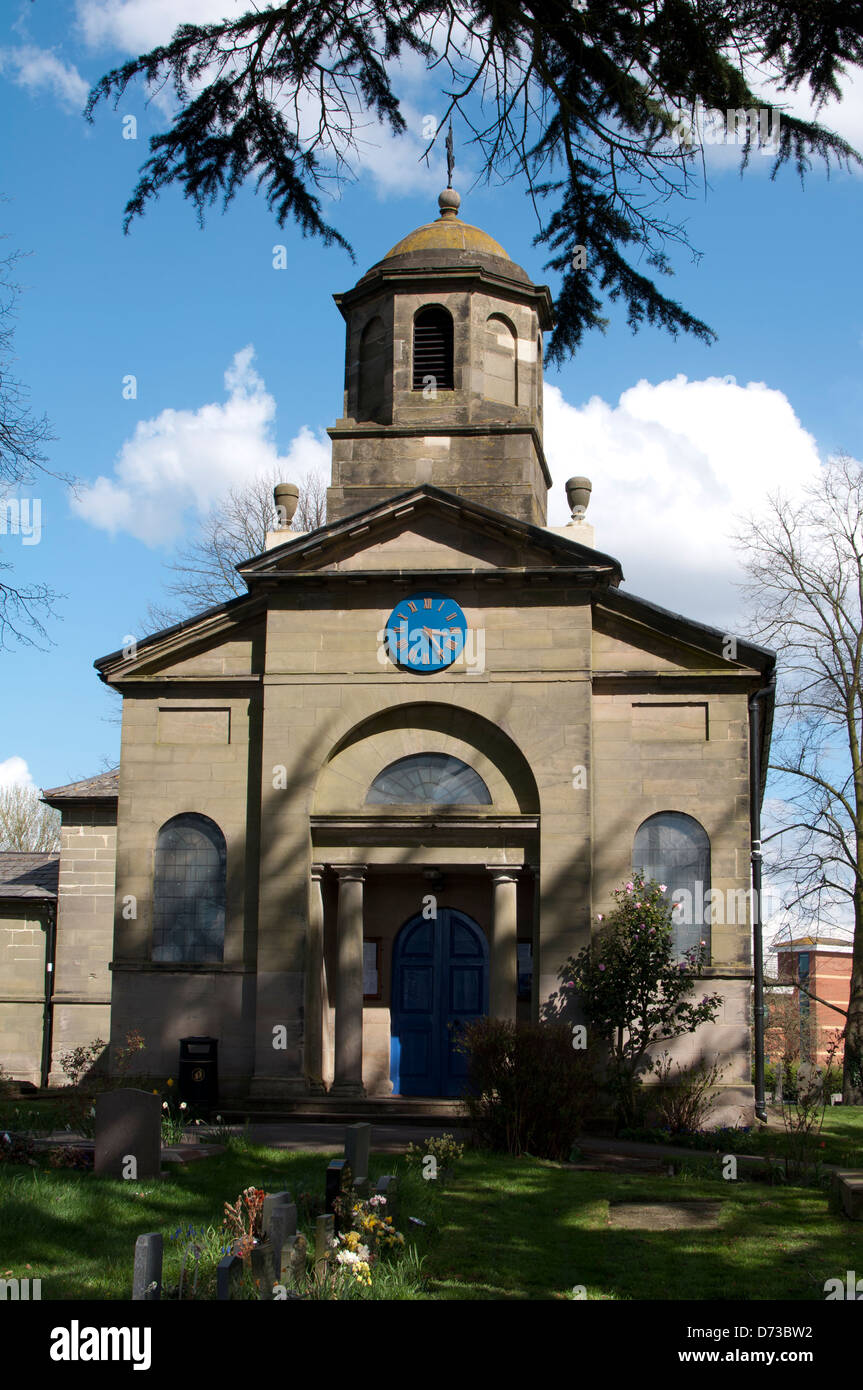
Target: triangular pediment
[
  {"x": 633, "y": 637},
  {"x": 222, "y": 645},
  {"x": 426, "y": 530}
]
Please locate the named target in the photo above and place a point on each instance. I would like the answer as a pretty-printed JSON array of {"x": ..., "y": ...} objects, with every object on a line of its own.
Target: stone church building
[{"x": 388, "y": 789}]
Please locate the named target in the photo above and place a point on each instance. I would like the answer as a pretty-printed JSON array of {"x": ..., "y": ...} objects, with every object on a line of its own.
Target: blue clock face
[{"x": 425, "y": 632}]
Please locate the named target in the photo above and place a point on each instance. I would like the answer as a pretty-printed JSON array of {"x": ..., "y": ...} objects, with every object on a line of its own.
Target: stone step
[
  {"x": 849, "y": 1183},
  {"x": 322, "y": 1110}
]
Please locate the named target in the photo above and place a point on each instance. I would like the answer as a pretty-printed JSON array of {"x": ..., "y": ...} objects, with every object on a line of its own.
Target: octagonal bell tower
[{"x": 443, "y": 375}]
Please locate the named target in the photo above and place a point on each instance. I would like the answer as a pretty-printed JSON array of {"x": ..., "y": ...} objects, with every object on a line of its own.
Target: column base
[{"x": 348, "y": 1088}]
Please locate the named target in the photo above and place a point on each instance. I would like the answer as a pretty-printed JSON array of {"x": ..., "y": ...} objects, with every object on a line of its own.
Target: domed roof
[
  {"x": 449, "y": 242},
  {"x": 448, "y": 234}
]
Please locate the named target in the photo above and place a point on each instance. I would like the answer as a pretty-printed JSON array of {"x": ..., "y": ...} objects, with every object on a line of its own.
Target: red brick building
[{"x": 822, "y": 965}]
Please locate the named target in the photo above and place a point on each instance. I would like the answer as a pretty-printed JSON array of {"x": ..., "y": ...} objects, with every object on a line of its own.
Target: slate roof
[
  {"x": 28, "y": 875},
  {"x": 103, "y": 787}
]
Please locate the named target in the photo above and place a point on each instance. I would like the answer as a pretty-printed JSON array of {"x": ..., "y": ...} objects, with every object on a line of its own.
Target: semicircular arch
[{"x": 375, "y": 743}]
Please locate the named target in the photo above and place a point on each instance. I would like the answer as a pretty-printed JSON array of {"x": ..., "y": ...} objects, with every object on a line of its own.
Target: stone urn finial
[
  {"x": 578, "y": 492},
  {"x": 286, "y": 497}
]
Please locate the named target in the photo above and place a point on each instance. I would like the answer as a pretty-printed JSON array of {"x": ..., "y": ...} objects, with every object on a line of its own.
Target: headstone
[
  {"x": 836, "y": 1098},
  {"x": 229, "y": 1277},
  {"x": 147, "y": 1275},
  {"x": 128, "y": 1135},
  {"x": 324, "y": 1233},
  {"x": 282, "y": 1226},
  {"x": 278, "y": 1218},
  {"x": 338, "y": 1183},
  {"x": 265, "y": 1268},
  {"x": 292, "y": 1262},
  {"x": 358, "y": 1140}
]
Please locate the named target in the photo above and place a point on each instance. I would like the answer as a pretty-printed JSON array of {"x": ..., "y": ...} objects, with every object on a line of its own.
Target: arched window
[
  {"x": 428, "y": 778},
  {"x": 189, "y": 891},
  {"x": 675, "y": 850},
  {"x": 501, "y": 361},
  {"x": 372, "y": 373},
  {"x": 433, "y": 352}
]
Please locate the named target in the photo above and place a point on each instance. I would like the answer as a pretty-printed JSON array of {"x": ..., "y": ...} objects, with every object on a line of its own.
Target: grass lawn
[
  {"x": 503, "y": 1228},
  {"x": 528, "y": 1229},
  {"x": 841, "y": 1134}
]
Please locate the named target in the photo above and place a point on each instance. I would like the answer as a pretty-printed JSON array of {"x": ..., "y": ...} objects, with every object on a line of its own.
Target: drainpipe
[
  {"x": 756, "y": 739},
  {"x": 48, "y": 1006}
]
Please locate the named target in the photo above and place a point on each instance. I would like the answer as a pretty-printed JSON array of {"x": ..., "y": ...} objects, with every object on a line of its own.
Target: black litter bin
[{"x": 199, "y": 1071}]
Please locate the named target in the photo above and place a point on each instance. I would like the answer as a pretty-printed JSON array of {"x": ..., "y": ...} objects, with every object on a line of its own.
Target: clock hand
[{"x": 429, "y": 633}]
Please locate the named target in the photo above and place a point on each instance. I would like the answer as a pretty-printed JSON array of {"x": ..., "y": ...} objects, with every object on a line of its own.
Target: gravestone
[
  {"x": 265, "y": 1267},
  {"x": 128, "y": 1135},
  {"x": 357, "y": 1146},
  {"x": 147, "y": 1275},
  {"x": 278, "y": 1225},
  {"x": 229, "y": 1277},
  {"x": 292, "y": 1261},
  {"x": 324, "y": 1234},
  {"x": 339, "y": 1182}
]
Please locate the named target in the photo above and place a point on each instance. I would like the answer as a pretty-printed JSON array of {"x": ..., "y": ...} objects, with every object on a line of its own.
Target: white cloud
[
  {"x": 14, "y": 772},
  {"x": 38, "y": 69},
  {"x": 672, "y": 466},
  {"x": 138, "y": 25},
  {"x": 187, "y": 459}
]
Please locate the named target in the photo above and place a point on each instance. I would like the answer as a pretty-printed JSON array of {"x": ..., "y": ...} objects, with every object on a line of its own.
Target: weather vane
[{"x": 450, "y": 156}]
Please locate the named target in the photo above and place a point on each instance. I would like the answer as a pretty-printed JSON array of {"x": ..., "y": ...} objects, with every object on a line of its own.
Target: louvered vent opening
[{"x": 433, "y": 349}]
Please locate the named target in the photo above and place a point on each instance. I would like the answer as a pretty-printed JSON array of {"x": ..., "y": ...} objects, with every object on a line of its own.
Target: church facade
[{"x": 389, "y": 789}]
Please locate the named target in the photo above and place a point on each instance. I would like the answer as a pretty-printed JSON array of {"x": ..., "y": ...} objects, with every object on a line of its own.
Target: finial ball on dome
[{"x": 449, "y": 203}]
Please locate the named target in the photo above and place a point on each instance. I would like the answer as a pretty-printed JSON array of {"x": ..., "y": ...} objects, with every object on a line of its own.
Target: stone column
[
  {"x": 503, "y": 983},
  {"x": 314, "y": 1038},
  {"x": 348, "y": 1079}
]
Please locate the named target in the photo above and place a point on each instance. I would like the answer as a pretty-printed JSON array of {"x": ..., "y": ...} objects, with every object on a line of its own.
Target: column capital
[
  {"x": 504, "y": 873},
  {"x": 317, "y": 871},
  {"x": 350, "y": 872}
]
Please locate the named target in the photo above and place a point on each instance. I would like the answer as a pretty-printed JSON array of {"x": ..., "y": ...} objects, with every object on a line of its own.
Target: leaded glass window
[
  {"x": 674, "y": 849},
  {"x": 428, "y": 778},
  {"x": 189, "y": 891}
]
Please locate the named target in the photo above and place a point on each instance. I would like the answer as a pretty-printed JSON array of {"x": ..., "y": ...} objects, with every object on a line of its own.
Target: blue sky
[{"x": 676, "y": 436}]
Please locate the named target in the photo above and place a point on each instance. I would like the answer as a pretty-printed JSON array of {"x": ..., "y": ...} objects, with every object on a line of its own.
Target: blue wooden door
[{"x": 440, "y": 982}]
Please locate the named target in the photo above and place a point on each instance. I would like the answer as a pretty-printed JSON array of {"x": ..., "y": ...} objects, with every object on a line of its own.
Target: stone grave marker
[
  {"x": 324, "y": 1233},
  {"x": 292, "y": 1261},
  {"x": 147, "y": 1275},
  {"x": 128, "y": 1135},
  {"x": 229, "y": 1277},
  {"x": 339, "y": 1180},
  {"x": 357, "y": 1147}
]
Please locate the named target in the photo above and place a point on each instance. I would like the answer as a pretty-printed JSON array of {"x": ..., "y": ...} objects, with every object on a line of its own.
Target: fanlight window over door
[
  {"x": 428, "y": 778},
  {"x": 189, "y": 891},
  {"x": 674, "y": 849}
]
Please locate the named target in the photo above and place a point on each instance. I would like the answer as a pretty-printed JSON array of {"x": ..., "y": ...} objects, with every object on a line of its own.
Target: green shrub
[
  {"x": 684, "y": 1101},
  {"x": 635, "y": 991},
  {"x": 529, "y": 1090}
]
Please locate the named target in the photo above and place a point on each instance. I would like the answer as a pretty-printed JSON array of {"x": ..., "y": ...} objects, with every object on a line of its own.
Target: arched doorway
[{"x": 439, "y": 982}]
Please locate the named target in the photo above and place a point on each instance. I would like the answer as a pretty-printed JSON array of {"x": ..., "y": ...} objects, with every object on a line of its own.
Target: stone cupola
[{"x": 443, "y": 375}]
